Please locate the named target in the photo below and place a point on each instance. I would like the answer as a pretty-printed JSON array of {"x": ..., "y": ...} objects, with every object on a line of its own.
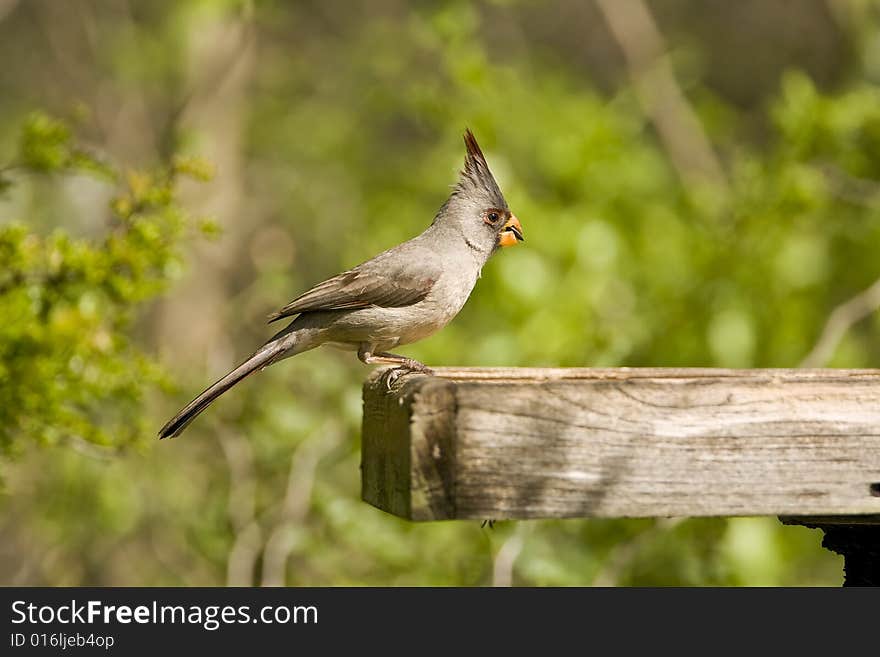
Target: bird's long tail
[{"x": 272, "y": 350}]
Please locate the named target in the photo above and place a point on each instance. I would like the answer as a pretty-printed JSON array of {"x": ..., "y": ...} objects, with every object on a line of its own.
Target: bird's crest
[{"x": 476, "y": 174}]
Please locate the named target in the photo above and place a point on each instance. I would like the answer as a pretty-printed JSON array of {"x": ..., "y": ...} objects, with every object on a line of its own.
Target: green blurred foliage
[
  {"x": 68, "y": 368},
  {"x": 334, "y": 135}
]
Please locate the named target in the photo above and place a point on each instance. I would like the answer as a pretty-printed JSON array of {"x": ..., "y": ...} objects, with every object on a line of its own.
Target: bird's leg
[{"x": 403, "y": 362}]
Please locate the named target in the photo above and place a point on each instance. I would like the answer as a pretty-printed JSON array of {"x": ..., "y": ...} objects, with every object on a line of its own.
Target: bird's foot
[
  {"x": 391, "y": 377},
  {"x": 406, "y": 366},
  {"x": 490, "y": 523}
]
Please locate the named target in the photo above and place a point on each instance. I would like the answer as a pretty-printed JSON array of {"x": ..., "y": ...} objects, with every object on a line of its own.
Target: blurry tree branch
[
  {"x": 234, "y": 45},
  {"x": 23, "y": 574},
  {"x": 859, "y": 191},
  {"x": 841, "y": 319},
  {"x": 221, "y": 57},
  {"x": 624, "y": 553},
  {"x": 295, "y": 507},
  {"x": 852, "y": 189},
  {"x": 505, "y": 559},
  {"x": 190, "y": 572},
  {"x": 659, "y": 93},
  {"x": 241, "y": 507},
  {"x": 91, "y": 450}
]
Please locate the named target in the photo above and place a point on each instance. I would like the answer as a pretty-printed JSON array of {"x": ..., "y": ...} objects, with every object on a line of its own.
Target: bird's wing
[{"x": 386, "y": 282}]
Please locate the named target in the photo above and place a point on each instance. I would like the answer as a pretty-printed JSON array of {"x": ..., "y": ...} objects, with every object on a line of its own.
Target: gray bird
[{"x": 402, "y": 295}]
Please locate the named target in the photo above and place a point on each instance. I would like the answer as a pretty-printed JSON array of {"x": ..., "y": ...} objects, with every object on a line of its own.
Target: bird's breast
[{"x": 445, "y": 300}]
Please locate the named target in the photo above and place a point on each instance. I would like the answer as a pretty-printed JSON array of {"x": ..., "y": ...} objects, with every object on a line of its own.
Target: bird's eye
[{"x": 493, "y": 217}]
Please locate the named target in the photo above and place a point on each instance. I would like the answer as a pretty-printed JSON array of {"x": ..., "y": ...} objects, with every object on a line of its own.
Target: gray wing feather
[{"x": 392, "y": 279}]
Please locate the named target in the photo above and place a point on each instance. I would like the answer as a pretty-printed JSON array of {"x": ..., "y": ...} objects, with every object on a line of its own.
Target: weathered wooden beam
[{"x": 554, "y": 443}]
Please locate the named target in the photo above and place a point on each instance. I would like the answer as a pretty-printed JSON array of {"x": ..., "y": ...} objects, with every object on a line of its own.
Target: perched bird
[{"x": 402, "y": 295}]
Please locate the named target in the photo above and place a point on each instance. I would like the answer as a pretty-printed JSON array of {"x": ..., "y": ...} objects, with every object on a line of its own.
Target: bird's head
[{"x": 477, "y": 208}]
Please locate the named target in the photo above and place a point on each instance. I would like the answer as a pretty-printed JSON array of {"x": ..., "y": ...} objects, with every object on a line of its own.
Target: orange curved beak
[{"x": 511, "y": 233}]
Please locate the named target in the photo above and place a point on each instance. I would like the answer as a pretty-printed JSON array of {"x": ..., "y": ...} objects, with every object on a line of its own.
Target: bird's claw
[
  {"x": 391, "y": 377},
  {"x": 407, "y": 367},
  {"x": 490, "y": 523}
]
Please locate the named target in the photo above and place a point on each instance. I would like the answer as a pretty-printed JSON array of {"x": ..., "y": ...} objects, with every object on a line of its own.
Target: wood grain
[{"x": 555, "y": 443}]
